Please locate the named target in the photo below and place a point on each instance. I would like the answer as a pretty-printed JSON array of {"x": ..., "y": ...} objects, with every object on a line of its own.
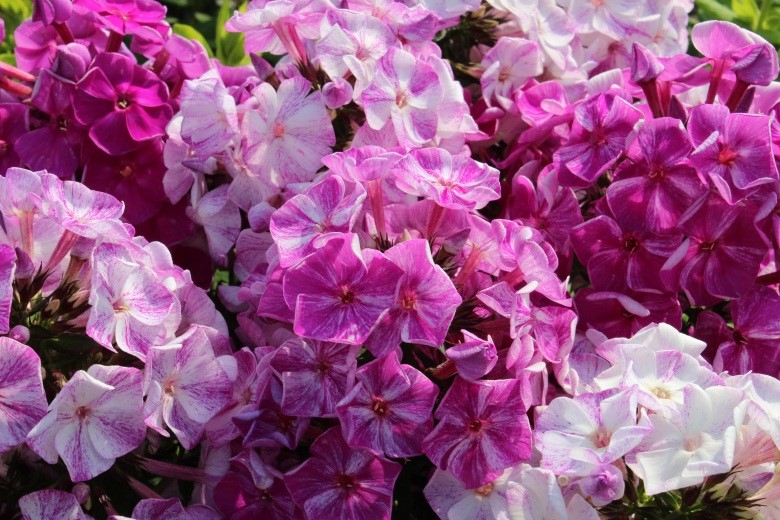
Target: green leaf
[
  {"x": 747, "y": 10},
  {"x": 714, "y": 10},
  {"x": 190, "y": 32},
  {"x": 230, "y": 46},
  {"x": 9, "y": 58}
]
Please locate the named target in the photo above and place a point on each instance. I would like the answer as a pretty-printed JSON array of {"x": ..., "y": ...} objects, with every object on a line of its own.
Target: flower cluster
[{"x": 528, "y": 275}]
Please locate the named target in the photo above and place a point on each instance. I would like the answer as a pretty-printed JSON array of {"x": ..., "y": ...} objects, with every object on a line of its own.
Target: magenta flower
[
  {"x": 339, "y": 481},
  {"x": 135, "y": 178},
  {"x": 339, "y": 292},
  {"x": 50, "y": 504},
  {"x": 185, "y": 385},
  {"x": 13, "y": 126},
  {"x": 52, "y": 11},
  {"x": 121, "y": 103},
  {"x": 425, "y": 303},
  {"x": 452, "y": 181},
  {"x": 482, "y": 431},
  {"x": 508, "y": 65},
  {"x": 221, "y": 429},
  {"x": 657, "y": 186},
  {"x": 473, "y": 358},
  {"x": 722, "y": 255},
  {"x": 752, "y": 345},
  {"x": 286, "y": 135},
  {"x": 251, "y": 489},
  {"x": 621, "y": 315},
  {"x": 7, "y": 271},
  {"x": 330, "y": 206},
  {"x": 618, "y": 257},
  {"x": 405, "y": 91},
  {"x": 598, "y": 135},
  {"x": 94, "y": 419},
  {"x": 389, "y": 409},
  {"x": 733, "y": 150},
  {"x": 315, "y": 375},
  {"x": 129, "y": 303},
  {"x": 23, "y": 401},
  {"x": 128, "y": 16},
  {"x": 172, "y": 509}
]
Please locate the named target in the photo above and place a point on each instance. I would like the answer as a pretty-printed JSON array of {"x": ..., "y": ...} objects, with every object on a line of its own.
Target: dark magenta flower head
[
  {"x": 621, "y": 315},
  {"x": 756, "y": 64},
  {"x": 127, "y": 16},
  {"x": 389, "y": 409},
  {"x": 340, "y": 481},
  {"x": 657, "y": 185},
  {"x": 52, "y": 11},
  {"x": 482, "y": 430},
  {"x": 121, "y": 103}
]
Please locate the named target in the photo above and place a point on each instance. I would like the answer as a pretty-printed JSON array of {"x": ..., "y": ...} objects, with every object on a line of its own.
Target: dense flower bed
[{"x": 510, "y": 260}]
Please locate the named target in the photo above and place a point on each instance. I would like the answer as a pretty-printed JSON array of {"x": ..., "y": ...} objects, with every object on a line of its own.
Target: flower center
[
  {"x": 346, "y": 482},
  {"x": 631, "y": 243},
  {"x": 707, "y": 246},
  {"x": 661, "y": 393},
  {"x": 727, "y": 156},
  {"x": 347, "y": 296},
  {"x": 62, "y": 123},
  {"x": 692, "y": 442},
  {"x": 656, "y": 172},
  {"x": 170, "y": 388},
  {"x": 485, "y": 490},
  {"x": 82, "y": 412},
  {"x": 379, "y": 406},
  {"x": 409, "y": 301},
  {"x": 740, "y": 338},
  {"x": 401, "y": 99},
  {"x": 126, "y": 171},
  {"x": 601, "y": 438},
  {"x": 475, "y": 426},
  {"x": 122, "y": 103},
  {"x": 279, "y": 129}
]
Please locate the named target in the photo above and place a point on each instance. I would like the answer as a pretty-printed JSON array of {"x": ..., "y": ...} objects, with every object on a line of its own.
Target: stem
[
  {"x": 434, "y": 221},
  {"x": 737, "y": 93},
  {"x": 445, "y": 370},
  {"x": 16, "y": 73},
  {"x": 63, "y": 247},
  {"x": 717, "y": 72},
  {"x": 160, "y": 61},
  {"x": 377, "y": 206},
  {"x": 650, "y": 88},
  {"x": 22, "y": 91}
]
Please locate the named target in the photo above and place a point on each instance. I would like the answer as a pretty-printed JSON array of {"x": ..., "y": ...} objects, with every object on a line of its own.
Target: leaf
[
  {"x": 9, "y": 58},
  {"x": 188, "y": 31},
  {"x": 230, "y": 46},
  {"x": 746, "y": 9},
  {"x": 714, "y": 10}
]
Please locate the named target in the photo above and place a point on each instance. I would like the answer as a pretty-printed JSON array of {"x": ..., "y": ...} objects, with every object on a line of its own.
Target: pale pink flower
[
  {"x": 50, "y": 504},
  {"x": 23, "y": 401}
]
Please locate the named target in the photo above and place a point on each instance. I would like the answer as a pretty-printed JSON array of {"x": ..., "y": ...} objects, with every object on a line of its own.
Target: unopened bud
[{"x": 20, "y": 333}]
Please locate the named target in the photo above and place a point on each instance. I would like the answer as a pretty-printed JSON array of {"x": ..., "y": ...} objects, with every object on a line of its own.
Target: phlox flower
[
  {"x": 577, "y": 435},
  {"x": 389, "y": 409},
  {"x": 405, "y": 91},
  {"x": 241, "y": 368},
  {"x": 450, "y": 499},
  {"x": 339, "y": 481},
  {"x": 507, "y": 66},
  {"x": 23, "y": 401},
  {"x": 339, "y": 292},
  {"x": 695, "y": 441},
  {"x": 209, "y": 117},
  {"x": 94, "y": 419},
  {"x": 286, "y": 133},
  {"x": 172, "y": 509},
  {"x": 315, "y": 375},
  {"x": 7, "y": 271},
  {"x": 50, "y": 504},
  {"x": 452, "y": 181},
  {"x": 221, "y": 221},
  {"x": 121, "y": 103},
  {"x": 130, "y": 304},
  {"x": 425, "y": 303},
  {"x": 474, "y": 357},
  {"x": 329, "y": 206},
  {"x": 482, "y": 430},
  {"x": 185, "y": 385},
  {"x": 533, "y": 494}
]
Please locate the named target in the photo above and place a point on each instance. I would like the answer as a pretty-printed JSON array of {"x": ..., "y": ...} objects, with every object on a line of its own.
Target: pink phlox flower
[
  {"x": 185, "y": 172},
  {"x": 51, "y": 504},
  {"x": 482, "y": 430},
  {"x": 221, "y": 221},
  {"x": 601, "y": 125},
  {"x": 405, "y": 91},
  {"x": 186, "y": 386},
  {"x": 315, "y": 375},
  {"x": 329, "y": 206},
  {"x": 507, "y": 66},
  {"x": 577, "y": 435},
  {"x": 24, "y": 402},
  {"x": 450, "y": 498},
  {"x": 425, "y": 304},
  {"x": 339, "y": 481},
  {"x": 95, "y": 419},
  {"x": 172, "y": 509},
  {"x": 623, "y": 314},
  {"x": 390, "y": 408},
  {"x": 241, "y": 368},
  {"x": 474, "y": 357},
  {"x": 209, "y": 117},
  {"x": 127, "y": 16},
  {"x": 733, "y": 150},
  {"x": 130, "y": 304},
  {"x": 452, "y": 181},
  {"x": 655, "y": 188},
  {"x": 7, "y": 272},
  {"x": 339, "y": 293}
]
